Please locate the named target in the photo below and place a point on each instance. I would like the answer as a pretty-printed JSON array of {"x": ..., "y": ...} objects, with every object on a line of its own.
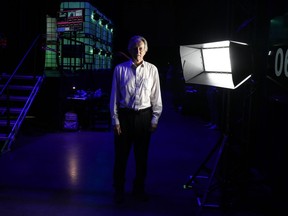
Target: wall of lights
[{"x": 79, "y": 38}]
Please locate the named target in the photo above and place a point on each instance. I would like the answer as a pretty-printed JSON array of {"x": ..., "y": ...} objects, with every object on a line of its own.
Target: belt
[{"x": 132, "y": 111}]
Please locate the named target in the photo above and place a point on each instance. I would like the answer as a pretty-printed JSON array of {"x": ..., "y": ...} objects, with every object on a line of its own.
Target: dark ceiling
[{"x": 165, "y": 24}]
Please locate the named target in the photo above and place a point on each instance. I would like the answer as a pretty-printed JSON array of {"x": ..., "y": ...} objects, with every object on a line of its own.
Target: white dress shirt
[{"x": 135, "y": 88}]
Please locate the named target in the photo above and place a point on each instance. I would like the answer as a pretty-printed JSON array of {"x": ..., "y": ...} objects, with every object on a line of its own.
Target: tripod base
[
  {"x": 209, "y": 186},
  {"x": 210, "y": 205}
]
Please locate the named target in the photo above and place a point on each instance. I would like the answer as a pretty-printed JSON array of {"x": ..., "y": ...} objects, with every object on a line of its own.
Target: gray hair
[{"x": 135, "y": 39}]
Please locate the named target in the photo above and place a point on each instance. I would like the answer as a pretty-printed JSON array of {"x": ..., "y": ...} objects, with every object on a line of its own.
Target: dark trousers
[{"x": 135, "y": 127}]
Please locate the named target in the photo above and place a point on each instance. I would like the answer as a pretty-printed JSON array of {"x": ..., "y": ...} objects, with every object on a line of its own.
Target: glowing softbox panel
[{"x": 225, "y": 64}]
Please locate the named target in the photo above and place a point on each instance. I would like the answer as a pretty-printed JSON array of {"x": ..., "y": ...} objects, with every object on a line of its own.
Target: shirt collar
[{"x": 133, "y": 65}]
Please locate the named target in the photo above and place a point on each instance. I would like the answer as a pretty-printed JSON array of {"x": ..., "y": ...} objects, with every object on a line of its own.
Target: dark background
[
  {"x": 165, "y": 24},
  {"x": 169, "y": 24}
]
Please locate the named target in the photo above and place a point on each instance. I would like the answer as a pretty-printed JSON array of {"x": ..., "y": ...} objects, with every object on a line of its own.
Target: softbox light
[{"x": 225, "y": 64}]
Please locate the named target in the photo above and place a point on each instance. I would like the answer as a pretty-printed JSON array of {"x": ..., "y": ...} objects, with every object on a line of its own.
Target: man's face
[{"x": 138, "y": 52}]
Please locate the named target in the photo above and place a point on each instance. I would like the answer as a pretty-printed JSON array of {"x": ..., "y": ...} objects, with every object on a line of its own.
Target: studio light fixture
[
  {"x": 110, "y": 26},
  {"x": 96, "y": 51},
  {"x": 96, "y": 16},
  {"x": 104, "y": 22},
  {"x": 225, "y": 64}
]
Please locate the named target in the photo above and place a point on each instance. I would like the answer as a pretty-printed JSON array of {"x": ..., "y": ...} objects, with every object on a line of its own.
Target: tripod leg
[
  {"x": 203, "y": 164},
  {"x": 203, "y": 201}
]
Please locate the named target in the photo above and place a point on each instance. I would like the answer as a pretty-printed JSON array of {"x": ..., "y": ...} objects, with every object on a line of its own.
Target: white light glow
[
  {"x": 210, "y": 63},
  {"x": 216, "y": 44},
  {"x": 217, "y": 59},
  {"x": 73, "y": 165}
]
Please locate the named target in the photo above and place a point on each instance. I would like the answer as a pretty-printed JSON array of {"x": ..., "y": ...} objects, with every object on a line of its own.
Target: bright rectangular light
[
  {"x": 217, "y": 60},
  {"x": 225, "y": 64}
]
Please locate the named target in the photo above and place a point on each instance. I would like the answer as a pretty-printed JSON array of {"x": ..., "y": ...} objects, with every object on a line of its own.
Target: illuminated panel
[
  {"x": 225, "y": 64},
  {"x": 217, "y": 59},
  {"x": 70, "y": 20}
]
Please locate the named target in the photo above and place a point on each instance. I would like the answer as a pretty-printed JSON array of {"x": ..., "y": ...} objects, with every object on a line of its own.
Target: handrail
[
  {"x": 12, "y": 125},
  {"x": 18, "y": 66},
  {"x": 23, "y": 113}
]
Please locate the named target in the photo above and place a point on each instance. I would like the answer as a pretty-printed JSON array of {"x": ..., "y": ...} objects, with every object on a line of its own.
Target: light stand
[
  {"x": 214, "y": 156},
  {"x": 225, "y": 64}
]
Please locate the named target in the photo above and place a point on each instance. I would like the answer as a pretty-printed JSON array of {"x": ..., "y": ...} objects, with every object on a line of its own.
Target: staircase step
[
  {"x": 3, "y": 136},
  {"x": 19, "y": 82},
  {"x": 12, "y": 110},
  {"x": 3, "y": 122},
  {"x": 14, "y": 98},
  {"x": 22, "y": 90},
  {"x": 19, "y": 87},
  {"x": 22, "y": 77}
]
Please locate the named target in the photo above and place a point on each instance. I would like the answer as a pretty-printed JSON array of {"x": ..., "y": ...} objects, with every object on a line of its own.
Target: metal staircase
[{"x": 17, "y": 93}]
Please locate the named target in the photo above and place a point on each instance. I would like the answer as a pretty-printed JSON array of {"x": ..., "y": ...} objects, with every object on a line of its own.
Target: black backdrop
[{"x": 168, "y": 24}]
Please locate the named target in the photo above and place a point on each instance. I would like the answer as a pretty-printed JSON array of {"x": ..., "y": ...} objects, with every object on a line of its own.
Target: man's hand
[{"x": 117, "y": 129}]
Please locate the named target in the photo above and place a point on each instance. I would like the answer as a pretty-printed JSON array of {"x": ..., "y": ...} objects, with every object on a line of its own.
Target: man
[{"x": 135, "y": 106}]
